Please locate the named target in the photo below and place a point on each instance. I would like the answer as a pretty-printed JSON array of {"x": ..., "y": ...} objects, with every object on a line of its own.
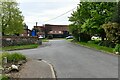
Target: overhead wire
[{"x": 60, "y": 15}]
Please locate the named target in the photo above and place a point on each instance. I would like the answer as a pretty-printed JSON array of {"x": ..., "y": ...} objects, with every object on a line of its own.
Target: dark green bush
[
  {"x": 117, "y": 48},
  {"x": 93, "y": 42},
  {"x": 13, "y": 57},
  {"x": 85, "y": 37},
  {"x": 107, "y": 44},
  {"x": 50, "y": 37}
]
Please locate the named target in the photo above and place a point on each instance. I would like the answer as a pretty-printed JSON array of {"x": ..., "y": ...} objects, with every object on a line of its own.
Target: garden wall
[{"x": 18, "y": 40}]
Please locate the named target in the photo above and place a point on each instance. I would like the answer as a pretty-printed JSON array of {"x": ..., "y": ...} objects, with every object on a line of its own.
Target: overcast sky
[{"x": 43, "y": 10}]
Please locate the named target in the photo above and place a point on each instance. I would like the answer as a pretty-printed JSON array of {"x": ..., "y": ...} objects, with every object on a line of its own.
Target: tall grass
[{"x": 13, "y": 57}]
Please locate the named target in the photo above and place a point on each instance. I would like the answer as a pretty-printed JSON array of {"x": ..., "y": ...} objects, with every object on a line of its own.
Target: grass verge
[
  {"x": 97, "y": 47},
  {"x": 94, "y": 46},
  {"x": 9, "y": 48},
  {"x": 70, "y": 40},
  {"x": 45, "y": 40}
]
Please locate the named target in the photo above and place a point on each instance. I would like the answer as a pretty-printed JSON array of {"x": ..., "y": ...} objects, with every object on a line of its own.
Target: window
[
  {"x": 60, "y": 31},
  {"x": 51, "y": 31}
]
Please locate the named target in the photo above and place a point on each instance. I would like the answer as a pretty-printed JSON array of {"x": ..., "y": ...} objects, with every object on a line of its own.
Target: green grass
[
  {"x": 45, "y": 40},
  {"x": 97, "y": 47},
  {"x": 94, "y": 46},
  {"x": 14, "y": 57},
  {"x": 3, "y": 77},
  {"x": 20, "y": 47},
  {"x": 70, "y": 40}
]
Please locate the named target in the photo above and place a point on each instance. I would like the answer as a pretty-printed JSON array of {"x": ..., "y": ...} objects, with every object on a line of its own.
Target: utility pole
[{"x": 79, "y": 23}]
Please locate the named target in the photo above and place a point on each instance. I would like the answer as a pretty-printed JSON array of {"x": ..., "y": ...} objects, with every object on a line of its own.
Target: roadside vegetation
[
  {"x": 9, "y": 48},
  {"x": 100, "y": 21},
  {"x": 94, "y": 44},
  {"x": 3, "y": 77},
  {"x": 11, "y": 62},
  {"x": 13, "y": 57},
  {"x": 45, "y": 40}
]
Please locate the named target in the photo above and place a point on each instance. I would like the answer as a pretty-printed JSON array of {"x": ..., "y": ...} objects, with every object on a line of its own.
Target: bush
[
  {"x": 13, "y": 57},
  {"x": 107, "y": 44},
  {"x": 84, "y": 37},
  {"x": 50, "y": 37},
  {"x": 93, "y": 42},
  {"x": 117, "y": 48},
  {"x": 112, "y": 31},
  {"x": 4, "y": 77}
]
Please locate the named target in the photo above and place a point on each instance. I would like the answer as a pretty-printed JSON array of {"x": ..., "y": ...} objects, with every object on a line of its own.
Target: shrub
[
  {"x": 112, "y": 31},
  {"x": 117, "y": 48},
  {"x": 93, "y": 42},
  {"x": 16, "y": 57},
  {"x": 84, "y": 37},
  {"x": 4, "y": 77},
  {"x": 50, "y": 36},
  {"x": 13, "y": 57},
  {"x": 107, "y": 44}
]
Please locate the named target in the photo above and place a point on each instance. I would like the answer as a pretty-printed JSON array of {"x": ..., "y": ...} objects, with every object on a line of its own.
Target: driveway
[{"x": 74, "y": 61}]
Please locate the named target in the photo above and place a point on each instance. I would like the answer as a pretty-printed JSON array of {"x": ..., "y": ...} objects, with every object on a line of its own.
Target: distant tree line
[{"x": 91, "y": 18}]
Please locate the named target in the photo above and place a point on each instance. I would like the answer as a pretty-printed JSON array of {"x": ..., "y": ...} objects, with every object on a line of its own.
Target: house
[
  {"x": 26, "y": 31},
  {"x": 57, "y": 31}
]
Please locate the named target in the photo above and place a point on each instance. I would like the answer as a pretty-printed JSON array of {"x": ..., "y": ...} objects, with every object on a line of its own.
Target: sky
[{"x": 42, "y": 11}]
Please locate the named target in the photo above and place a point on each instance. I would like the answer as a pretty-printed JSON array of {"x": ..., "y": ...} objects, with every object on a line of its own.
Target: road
[{"x": 74, "y": 61}]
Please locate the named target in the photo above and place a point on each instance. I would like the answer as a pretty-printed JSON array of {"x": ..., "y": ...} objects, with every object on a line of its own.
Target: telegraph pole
[{"x": 79, "y": 24}]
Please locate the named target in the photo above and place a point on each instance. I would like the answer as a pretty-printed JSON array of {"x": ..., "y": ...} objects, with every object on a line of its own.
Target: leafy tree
[
  {"x": 74, "y": 30},
  {"x": 112, "y": 31},
  {"x": 116, "y": 16},
  {"x": 89, "y": 17},
  {"x": 12, "y": 19}
]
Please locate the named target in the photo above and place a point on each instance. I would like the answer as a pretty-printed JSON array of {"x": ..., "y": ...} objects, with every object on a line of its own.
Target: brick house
[
  {"x": 57, "y": 31},
  {"x": 26, "y": 32}
]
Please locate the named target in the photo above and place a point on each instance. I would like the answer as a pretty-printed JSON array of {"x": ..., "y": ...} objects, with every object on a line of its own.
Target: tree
[
  {"x": 112, "y": 31},
  {"x": 12, "y": 19},
  {"x": 89, "y": 17},
  {"x": 116, "y": 16}
]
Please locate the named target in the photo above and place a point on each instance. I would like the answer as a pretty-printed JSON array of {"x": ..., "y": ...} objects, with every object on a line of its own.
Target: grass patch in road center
[{"x": 9, "y": 48}]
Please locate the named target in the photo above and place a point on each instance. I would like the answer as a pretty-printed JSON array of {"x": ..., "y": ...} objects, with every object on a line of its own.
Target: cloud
[
  {"x": 23, "y": 1},
  {"x": 43, "y": 10}
]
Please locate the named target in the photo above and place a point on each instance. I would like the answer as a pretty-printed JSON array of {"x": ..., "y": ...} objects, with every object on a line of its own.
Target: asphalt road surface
[{"x": 74, "y": 61}]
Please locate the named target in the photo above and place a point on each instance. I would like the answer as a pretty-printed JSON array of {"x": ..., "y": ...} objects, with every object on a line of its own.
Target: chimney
[{"x": 36, "y": 23}]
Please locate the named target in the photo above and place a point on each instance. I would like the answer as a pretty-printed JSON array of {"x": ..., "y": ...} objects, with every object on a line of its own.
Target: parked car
[
  {"x": 69, "y": 37},
  {"x": 40, "y": 37},
  {"x": 95, "y": 38}
]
